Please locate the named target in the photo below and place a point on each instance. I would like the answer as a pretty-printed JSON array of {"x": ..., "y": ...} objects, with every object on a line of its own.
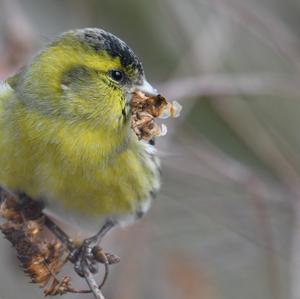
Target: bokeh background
[{"x": 226, "y": 224}]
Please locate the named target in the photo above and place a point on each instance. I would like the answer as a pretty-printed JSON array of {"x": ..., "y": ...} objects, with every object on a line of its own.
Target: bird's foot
[
  {"x": 82, "y": 257},
  {"x": 88, "y": 257}
]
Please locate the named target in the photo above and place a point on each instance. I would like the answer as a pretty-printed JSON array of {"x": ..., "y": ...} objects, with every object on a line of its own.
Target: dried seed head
[
  {"x": 146, "y": 109},
  {"x": 40, "y": 256},
  {"x": 104, "y": 257}
]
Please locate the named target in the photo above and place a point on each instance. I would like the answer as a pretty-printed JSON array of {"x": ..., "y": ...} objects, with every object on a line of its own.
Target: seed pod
[{"x": 146, "y": 109}]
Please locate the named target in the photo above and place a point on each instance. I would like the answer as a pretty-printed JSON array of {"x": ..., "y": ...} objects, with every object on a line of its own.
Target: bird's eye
[{"x": 116, "y": 75}]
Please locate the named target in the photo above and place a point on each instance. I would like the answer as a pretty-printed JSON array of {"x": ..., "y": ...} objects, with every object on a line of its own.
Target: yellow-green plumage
[{"x": 65, "y": 134}]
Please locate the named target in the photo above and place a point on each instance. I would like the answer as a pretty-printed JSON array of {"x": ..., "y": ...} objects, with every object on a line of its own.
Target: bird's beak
[{"x": 146, "y": 88}]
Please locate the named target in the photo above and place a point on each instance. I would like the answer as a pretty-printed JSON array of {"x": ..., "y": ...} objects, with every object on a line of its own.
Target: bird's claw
[
  {"x": 83, "y": 257},
  {"x": 88, "y": 255}
]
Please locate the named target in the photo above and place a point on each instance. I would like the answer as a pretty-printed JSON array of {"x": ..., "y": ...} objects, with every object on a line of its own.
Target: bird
[{"x": 65, "y": 135}]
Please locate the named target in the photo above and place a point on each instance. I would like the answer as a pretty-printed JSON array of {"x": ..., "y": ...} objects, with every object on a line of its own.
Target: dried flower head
[
  {"x": 41, "y": 257},
  {"x": 146, "y": 109}
]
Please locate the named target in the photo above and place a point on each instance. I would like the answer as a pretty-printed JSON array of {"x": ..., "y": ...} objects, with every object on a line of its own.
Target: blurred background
[{"x": 226, "y": 224}]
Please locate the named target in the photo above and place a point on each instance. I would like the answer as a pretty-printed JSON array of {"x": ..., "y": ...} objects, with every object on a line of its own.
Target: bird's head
[{"x": 86, "y": 75}]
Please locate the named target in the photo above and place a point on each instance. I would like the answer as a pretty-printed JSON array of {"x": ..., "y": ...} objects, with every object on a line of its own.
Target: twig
[
  {"x": 265, "y": 26},
  {"x": 59, "y": 233},
  {"x": 266, "y": 148},
  {"x": 259, "y": 191},
  {"x": 265, "y": 230},
  {"x": 232, "y": 85},
  {"x": 92, "y": 283}
]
